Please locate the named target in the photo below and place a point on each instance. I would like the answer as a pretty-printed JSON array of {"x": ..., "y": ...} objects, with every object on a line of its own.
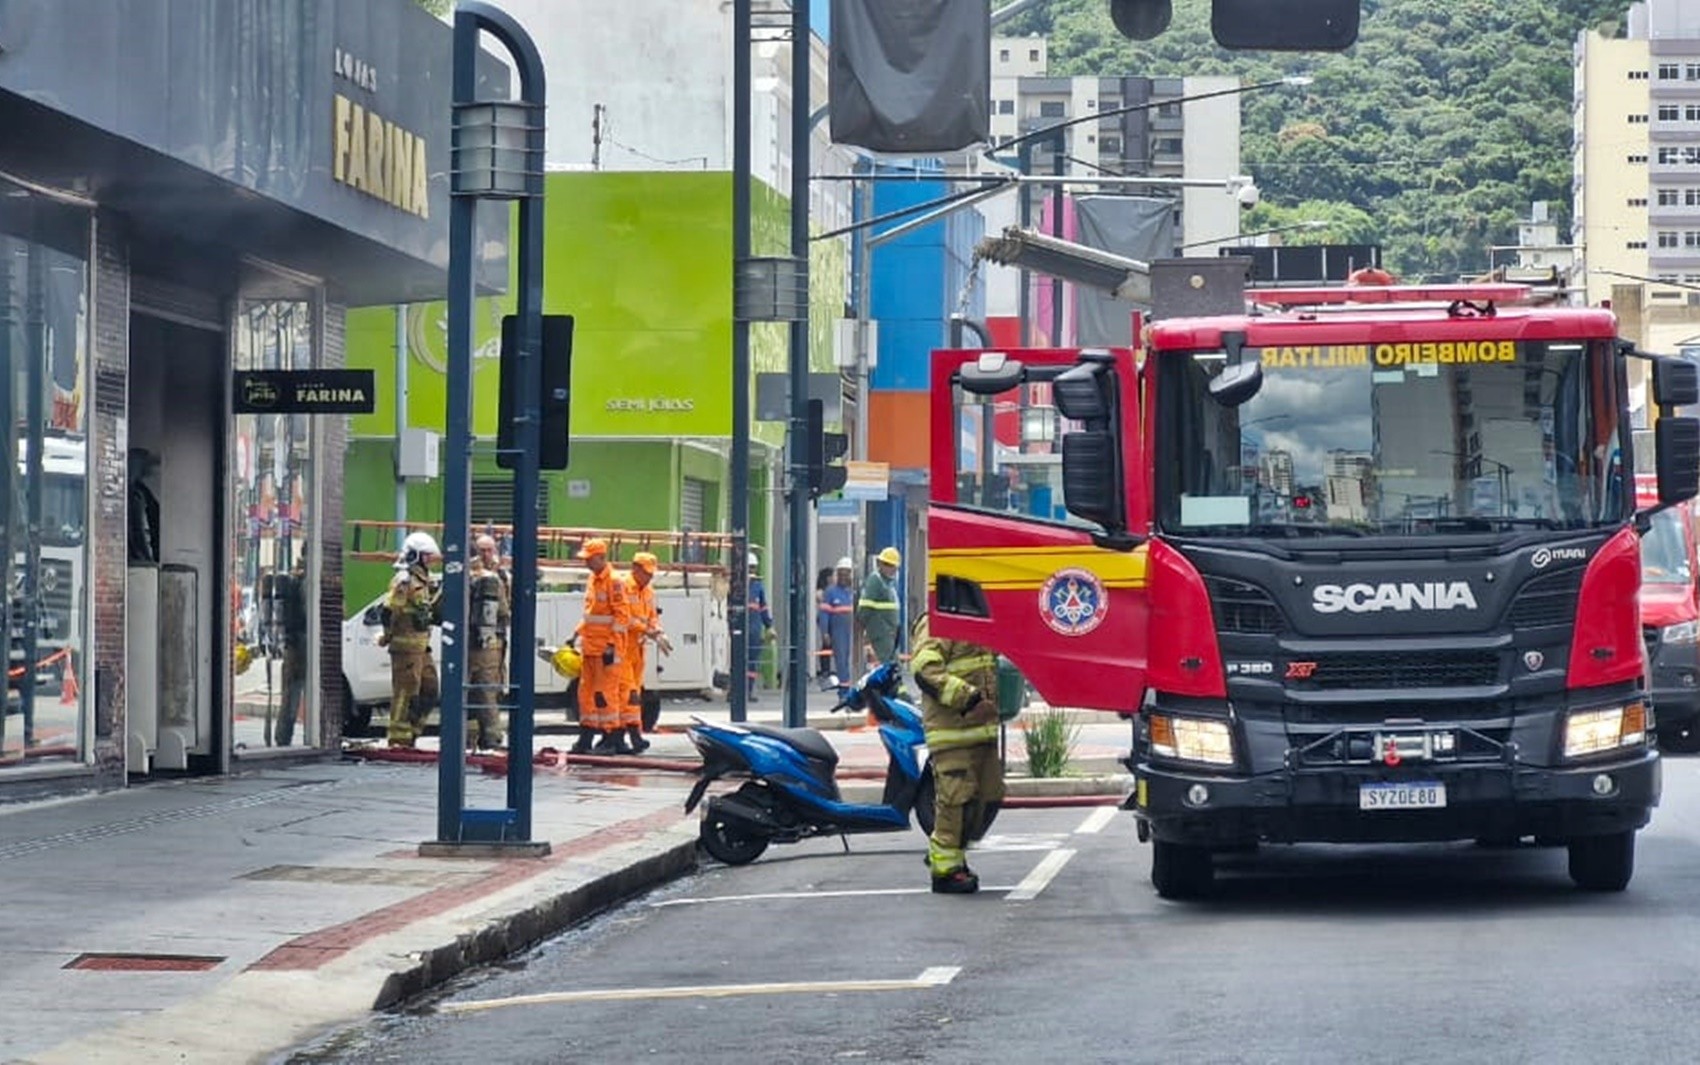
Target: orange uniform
[
  {"x": 607, "y": 620},
  {"x": 645, "y": 621}
]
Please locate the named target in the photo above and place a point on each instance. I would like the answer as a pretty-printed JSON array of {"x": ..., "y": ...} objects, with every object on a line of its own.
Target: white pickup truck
[{"x": 693, "y": 615}]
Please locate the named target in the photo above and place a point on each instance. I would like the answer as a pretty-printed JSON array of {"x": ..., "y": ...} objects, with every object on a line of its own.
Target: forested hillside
[{"x": 1431, "y": 136}]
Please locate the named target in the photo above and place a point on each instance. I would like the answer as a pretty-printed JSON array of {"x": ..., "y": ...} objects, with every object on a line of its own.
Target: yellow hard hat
[
  {"x": 244, "y": 658},
  {"x": 645, "y": 561},
  {"x": 890, "y": 557},
  {"x": 568, "y": 663}
]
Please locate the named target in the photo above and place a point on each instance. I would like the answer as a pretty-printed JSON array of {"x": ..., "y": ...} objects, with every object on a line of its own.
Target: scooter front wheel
[{"x": 730, "y": 843}]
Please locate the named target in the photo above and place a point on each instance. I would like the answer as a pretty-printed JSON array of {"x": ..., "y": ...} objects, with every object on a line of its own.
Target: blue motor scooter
[{"x": 792, "y": 790}]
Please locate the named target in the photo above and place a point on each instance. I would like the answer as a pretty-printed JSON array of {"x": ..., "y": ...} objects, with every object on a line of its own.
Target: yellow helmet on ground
[{"x": 567, "y": 662}]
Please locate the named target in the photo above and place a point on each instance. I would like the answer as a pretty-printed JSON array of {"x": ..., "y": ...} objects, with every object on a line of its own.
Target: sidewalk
[{"x": 227, "y": 920}]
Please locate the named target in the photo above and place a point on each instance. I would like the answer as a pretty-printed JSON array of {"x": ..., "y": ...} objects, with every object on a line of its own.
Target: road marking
[
  {"x": 937, "y": 976},
  {"x": 841, "y": 894},
  {"x": 1097, "y": 819},
  {"x": 1041, "y": 876}
]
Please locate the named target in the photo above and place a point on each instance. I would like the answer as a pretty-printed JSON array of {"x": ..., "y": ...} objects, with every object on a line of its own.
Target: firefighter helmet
[
  {"x": 417, "y": 550},
  {"x": 567, "y": 662}
]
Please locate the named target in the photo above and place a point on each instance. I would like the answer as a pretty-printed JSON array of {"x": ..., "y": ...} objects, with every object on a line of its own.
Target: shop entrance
[{"x": 174, "y": 614}]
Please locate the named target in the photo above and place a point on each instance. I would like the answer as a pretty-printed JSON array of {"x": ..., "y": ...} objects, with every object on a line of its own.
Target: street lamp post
[{"x": 496, "y": 154}]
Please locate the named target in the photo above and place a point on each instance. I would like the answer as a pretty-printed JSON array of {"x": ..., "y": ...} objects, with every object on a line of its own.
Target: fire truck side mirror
[
  {"x": 1092, "y": 482},
  {"x": 992, "y": 374},
  {"x": 1677, "y": 448},
  {"x": 1676, "y": 382},
  {"x": 1237, "y": 384}
]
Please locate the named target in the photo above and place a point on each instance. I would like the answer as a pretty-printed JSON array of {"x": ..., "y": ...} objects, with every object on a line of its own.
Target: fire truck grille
[
  {"x": 1404, "y": 669},
  {"x": 1549, "y": 600},
  {"x": 1243, "y": 608}
]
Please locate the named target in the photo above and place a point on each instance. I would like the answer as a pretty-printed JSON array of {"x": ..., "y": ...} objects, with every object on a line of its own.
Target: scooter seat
[{"x": 806, "y": 740}]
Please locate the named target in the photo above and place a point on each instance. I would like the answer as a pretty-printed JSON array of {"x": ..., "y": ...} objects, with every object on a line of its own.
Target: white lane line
[
  {"x": 1097, "y": 819},
  {"x": 847, "y": 893},
  {"x": 1041, "y": 876},
  {"x": 937, "y": 976}
]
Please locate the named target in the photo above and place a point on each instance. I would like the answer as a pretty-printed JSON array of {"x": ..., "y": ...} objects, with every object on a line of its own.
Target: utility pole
[
  {"x": 797, "y": 617},
  {"x": 737, "y": 599}
]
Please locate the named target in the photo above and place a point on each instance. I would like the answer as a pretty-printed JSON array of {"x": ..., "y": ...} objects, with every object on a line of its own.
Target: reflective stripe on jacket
[{"x": 953, "y": 675}]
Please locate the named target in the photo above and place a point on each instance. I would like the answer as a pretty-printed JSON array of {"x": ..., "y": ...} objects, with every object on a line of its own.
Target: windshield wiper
[
  {"x": 1488, "y": 523},
  {"x": 1296, "y": 529}
]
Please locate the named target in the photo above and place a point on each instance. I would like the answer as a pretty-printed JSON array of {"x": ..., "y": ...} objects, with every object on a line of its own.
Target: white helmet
[
  {"x": 417, "y": 549},
  {"x": 755, "y": 560},
  {"x": 845, "y": 563}
]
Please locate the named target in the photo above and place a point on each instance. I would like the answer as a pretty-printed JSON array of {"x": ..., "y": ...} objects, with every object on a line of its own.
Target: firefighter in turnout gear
[
  {"x": 487, "y": 656},
  {"x": 645, "y": 627},
  {"x": 959, "y": 683},
  {"x": 601, "y": 640},
  {"x": 410, "y": 609},
  {"x": 286, "y": 611}
]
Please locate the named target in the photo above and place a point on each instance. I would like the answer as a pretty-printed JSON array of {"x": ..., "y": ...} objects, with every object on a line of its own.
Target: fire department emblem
[{"x": 1073, "y": 602}]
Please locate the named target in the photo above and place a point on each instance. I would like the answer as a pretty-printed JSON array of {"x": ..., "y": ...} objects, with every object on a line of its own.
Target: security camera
[{"x": 1248, "y": 195}]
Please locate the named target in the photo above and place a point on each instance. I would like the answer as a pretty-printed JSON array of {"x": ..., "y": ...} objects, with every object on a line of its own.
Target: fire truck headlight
[
  {"x": 1190, "y": 739},
  {"x": 1681, "y": 632},
  {"x": 1596, "y": 731}
]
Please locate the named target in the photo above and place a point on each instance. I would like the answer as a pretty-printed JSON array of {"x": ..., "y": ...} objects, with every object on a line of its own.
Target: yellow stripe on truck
[{"x": 1021, "y": 568}]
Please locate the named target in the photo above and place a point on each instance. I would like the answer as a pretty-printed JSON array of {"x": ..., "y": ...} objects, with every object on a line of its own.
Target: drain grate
[
  {"x": 146, "y": 963},
  {"x": 328, "y": 874}
]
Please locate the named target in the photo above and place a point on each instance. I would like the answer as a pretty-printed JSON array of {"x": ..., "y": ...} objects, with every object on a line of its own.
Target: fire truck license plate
[{"x": 1419, "y": 795}]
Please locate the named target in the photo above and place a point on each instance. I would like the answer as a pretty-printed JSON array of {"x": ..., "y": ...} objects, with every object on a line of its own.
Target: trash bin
[{"x": 1012, "y": 690}]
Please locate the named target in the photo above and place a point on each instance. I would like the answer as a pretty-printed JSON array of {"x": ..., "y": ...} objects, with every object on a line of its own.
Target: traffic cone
[{"x": 69, "y": 694}]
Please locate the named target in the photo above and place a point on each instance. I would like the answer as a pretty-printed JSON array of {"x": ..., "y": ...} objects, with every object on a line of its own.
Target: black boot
[
  {"x": 612, "y": 742},
  {"x": 634, "y": 736},
  {"x": 956, "y": 882},
  {"x": 582, "y": 746}
]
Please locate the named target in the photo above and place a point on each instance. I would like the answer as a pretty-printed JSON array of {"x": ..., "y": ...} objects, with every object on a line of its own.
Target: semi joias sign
[{"x": 305, "y": 392}]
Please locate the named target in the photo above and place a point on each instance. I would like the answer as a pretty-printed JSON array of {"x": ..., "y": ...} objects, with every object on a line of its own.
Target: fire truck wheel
[
  {"x": 1179, "y": 871},
  {"x": 1603, "y": 863},
  {"x": 1682, "y": 739}
]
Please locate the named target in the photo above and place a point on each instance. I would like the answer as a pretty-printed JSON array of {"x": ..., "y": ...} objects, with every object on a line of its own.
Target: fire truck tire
[
  {"x": 1681, "y": 739},
  {"x": 1179, "y": 871},
  {"x": 1603, "y": 863}
]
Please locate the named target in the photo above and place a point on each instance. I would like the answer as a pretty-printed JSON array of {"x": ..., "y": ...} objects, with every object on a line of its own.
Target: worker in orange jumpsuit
[
  {"x": 645, "y": 628},
  {"x": 602, "y": 640}
]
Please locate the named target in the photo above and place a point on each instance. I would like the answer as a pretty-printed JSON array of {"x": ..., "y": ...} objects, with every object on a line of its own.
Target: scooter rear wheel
[
  {"x": 926, "y": 799},
  {"x": 729, "y": 843}
]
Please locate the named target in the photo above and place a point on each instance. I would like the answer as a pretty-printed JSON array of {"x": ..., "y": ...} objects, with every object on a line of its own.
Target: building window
[
  {"x": 1691, "y": 72},
  {"x": 1033, "y": 55},
  {"x": 1637, "y": 119},
  {"x": 45, "y": 469},
  {"x": 1690, "y": 197},
  {"x": 1636, "y": 158},
  {"x": 1006, "y": 107},
  {"x": 1691, "y": 279},
  {"x": 1003, "y": 55},
  {"x": 1691, "y": 238},
  {"x": 1635, "y": 75},
  {"x": 1667, "y": 197},
  {"x": 1051, "y": 109},
  {"x": 1667, "y": 155},
  {"x": 1636, "y": 245},
  {"x": 1668, "y": 72},
  {"x": 1667, "y": 238},
  {"x": 1637, "y": 201},
  {"x": 1112, "y": 146},
  {"x": 1669, "y": 112},
  {"x": 1166, "y": 146},
  {"x": 1667, "y": 279}
]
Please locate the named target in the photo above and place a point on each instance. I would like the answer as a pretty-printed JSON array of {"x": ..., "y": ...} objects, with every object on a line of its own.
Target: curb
[{"x": 505, "y": 936}]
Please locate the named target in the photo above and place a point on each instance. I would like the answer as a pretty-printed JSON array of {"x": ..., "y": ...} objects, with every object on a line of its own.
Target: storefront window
[
  {"x": 274, "y": 605},
  {"x": 43, "y": 476}
]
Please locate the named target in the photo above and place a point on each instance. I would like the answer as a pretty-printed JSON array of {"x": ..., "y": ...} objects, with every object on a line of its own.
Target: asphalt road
[{"x": 1450, "y": 953}]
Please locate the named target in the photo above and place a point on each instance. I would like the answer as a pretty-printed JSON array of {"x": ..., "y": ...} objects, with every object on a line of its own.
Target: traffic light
[
  {"x": 1141, "y": 19},
  {"x": 1252, "y": 25},
  {"x": 824, "y": 449}
]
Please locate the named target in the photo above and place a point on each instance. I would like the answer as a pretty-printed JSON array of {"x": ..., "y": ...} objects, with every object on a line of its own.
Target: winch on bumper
[{"x": 1391, "y": 783}]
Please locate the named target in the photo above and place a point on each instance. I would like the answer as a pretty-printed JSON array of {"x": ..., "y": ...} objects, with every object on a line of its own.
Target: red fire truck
[
  {"x": 1360, "y": 564},
  {"x": 1670, "y": 618}
]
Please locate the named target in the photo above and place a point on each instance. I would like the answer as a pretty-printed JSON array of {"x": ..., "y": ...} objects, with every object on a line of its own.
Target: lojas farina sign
[{"x": 305, "y": 392}]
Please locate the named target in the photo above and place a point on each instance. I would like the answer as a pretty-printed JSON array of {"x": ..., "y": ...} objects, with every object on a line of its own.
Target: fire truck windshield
[
  {"x": 1407, "y": 439},
  {"x": 61, "y": 510}
]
